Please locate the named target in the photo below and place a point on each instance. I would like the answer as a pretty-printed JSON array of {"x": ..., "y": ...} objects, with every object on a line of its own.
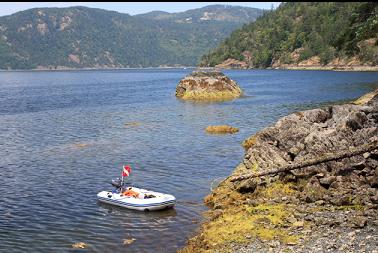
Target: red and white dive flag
[{"x": 126, "y": 171}]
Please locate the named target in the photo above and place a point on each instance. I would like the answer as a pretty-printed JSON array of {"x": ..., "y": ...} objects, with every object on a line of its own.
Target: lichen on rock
[{"x": 207, "y": 86}]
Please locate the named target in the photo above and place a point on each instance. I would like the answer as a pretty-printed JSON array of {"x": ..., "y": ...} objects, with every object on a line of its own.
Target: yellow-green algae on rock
[
  {"x": 222, "y": 129},
  {"x": 366, "y": 98},
  {"x": 233, "y": 220},
  {"x": 208, "y": 86}
]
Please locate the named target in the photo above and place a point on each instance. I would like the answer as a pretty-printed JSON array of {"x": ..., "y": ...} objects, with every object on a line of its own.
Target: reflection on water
[
  {"x": 160, "y": 214},
  {"x": 65, "y": 135}
]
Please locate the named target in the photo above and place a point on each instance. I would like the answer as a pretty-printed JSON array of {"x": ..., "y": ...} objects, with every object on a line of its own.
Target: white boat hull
[{"x": 161, "y": 201}]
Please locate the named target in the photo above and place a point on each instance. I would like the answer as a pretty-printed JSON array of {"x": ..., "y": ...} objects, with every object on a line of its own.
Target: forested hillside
[
  {"x": 306, "y": 33},
  {"x": 80, "y": 37}
]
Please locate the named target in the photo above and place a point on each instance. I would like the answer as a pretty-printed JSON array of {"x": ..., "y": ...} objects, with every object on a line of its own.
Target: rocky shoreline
[
  {"x": 330, "y": 206},
  {"x": 313, "y": 63},
  {"x": 312, "y": 67},
  {"x": 331, "y": 68}
]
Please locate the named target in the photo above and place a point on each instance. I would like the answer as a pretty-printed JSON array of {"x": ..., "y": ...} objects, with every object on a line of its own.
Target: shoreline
[
  {"x": 312, "y": 68},
  {"x": 334, "y": 68},
  {"x": 348, "y": 66},
  {"x": 315, "y": 209},
  {"x": 88, "y": 69}
]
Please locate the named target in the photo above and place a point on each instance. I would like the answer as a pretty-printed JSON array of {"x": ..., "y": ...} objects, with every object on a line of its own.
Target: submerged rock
[
  {"x": 79, "y": 245},
  {"x": 132, "y": 124},
  {"x": 223, "y": 129},
  {"x": 128, "y": 241},
  {"x": 211, "y": 86},
  {"x": 81, "y": 145}
]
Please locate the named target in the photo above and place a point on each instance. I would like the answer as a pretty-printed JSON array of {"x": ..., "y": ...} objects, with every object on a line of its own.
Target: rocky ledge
[
  {"x": 207, "y": 86},
  {"x": 309, "y": 183}
]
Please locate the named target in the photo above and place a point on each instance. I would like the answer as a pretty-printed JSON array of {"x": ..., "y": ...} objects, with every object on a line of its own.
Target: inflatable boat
[{"x": 136, "y": 198}]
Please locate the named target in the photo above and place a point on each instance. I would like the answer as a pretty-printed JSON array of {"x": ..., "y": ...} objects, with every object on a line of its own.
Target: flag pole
[{"x": 121, "y": 181}]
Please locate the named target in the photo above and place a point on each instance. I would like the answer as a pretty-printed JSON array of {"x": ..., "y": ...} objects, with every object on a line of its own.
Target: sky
[{"x": 132, "y": 8}]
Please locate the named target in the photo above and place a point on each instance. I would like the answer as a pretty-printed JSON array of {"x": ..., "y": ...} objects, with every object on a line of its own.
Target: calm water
[{"x": 48, "y": 182}]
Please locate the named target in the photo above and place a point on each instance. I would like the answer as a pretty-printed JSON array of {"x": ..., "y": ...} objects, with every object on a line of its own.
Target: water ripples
[{"x": 65, "y": 135}]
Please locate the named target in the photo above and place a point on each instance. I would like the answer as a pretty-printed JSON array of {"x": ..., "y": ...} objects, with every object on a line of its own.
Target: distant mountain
[
  {"x": 81, "y": 37},
  {"x": 304, "y": 34},
  {"x": 223, "y": 13}
]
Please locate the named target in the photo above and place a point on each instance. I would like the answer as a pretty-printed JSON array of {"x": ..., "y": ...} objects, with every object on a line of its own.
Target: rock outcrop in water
[
  {"x": 207, "y": 86},
  {"x": 329, "y": 206},
  {"x": 222, "y": 129}
]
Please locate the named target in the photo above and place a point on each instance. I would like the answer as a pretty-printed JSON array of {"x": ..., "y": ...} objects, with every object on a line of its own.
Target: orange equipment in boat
[{"x": 130, "y": 193}]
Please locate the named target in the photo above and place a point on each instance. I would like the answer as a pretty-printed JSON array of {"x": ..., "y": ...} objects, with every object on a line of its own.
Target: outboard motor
[{"x": 117, "y": 183}]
